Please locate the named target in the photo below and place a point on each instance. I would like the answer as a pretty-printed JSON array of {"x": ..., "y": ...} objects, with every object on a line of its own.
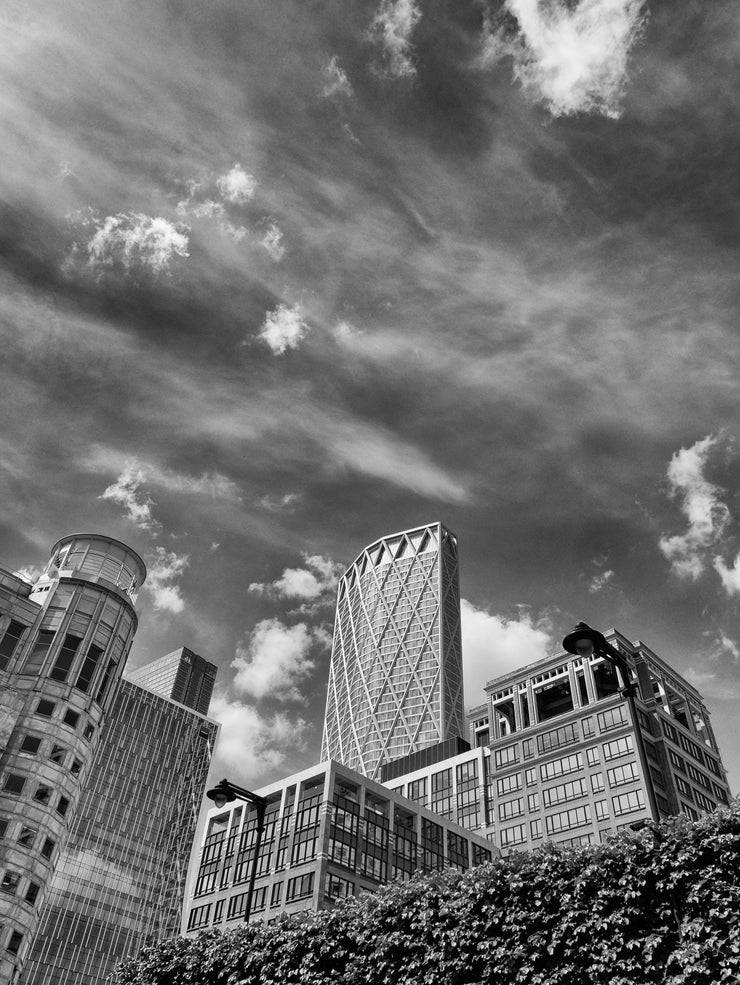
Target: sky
[{"x": 279, "y": 279}]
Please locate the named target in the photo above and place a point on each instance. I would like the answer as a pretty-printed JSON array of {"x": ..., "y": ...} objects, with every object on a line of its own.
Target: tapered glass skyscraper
[{"x": 395, "y": 681}]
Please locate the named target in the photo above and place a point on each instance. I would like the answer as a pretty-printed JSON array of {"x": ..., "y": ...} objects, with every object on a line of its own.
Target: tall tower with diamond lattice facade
[{"x": 395, "y": 681}]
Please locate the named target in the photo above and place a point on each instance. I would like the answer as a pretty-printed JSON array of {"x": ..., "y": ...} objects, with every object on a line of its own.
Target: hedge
[{"x": 661, "y": 905}]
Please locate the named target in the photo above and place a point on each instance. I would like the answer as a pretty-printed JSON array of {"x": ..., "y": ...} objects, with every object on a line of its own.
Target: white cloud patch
[
  {"x": 127, "y": 491},
  {"x": 164, "y": 568},
  {"x": 600, "y": 581},
  {"x": 730, "y": 575},
  {"x": 284, "y": 328},
  {"x": 135, "y": 472},
  {"x": 700, "y": 503},
  {"x": 336, "y": 82},
  {"x": 494, "y": 645},
  {"x": 237, "y": 186},
  {"x": 272, "y": 242},
  {"x": 570, "y": 57},
  {"x": 391, "y": 29},
  {"x": 345, "y": 332},
  {"x": 251, "y": 745},
  {"x": 319, "y": 578},
  {"x": 132, "y": 240},
  {"x": 276, "y": 504},
  {"x": 275, "y": 661}
]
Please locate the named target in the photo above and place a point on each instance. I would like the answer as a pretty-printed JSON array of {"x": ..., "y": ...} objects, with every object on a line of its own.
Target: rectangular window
[
  {"x": 57, "y": 754},
  {"x": 42, "y": 794},
  {"x": 563, "y": 793},
  {"x": 337, "y": 888},
  {"x": 508, "y": 784},
  {"x": 106, "y": 680},
  {"x": 10, "y": 882},
  {"x": 418, "y": 791},
  {"x": 612, "y": 718},
  {"x": 619, "y": 775},
  {"x": 564, "y": 820},
  {"x": 9, "y": 642},
  {"x": 557, "y": 738},
  {"x": 507, "y": 756},
  {"x": 514, "y": 835},
  {"x": 47, "y": 849},
  {"x": 45, "y": 708},
  {"x": 14, "y": 783},
  {"x": 530, "y": 777},
  {"x": 533, "y": 802},
  {"x": 276, "y": 894},
  {"x": 588, "y": 727},
  {"x": 30, "y": 744},
  {"x": 561, "y": 767},
  {"x": 88, "y": 668},
  {"x": 535, "y": 829},
  {"x": 528, "y": 748},
  {"x": 511, "y": 808},
  {"x": 14, "y": 944},
  {"x": 481, "y": 855},
  {"x": 597, "y": 783},
  {"x": 299, "y": 887},
  {"x": 592, "y": 756},
  {"x": 704, "y": 802},
  {"x": 35, "y": 659},
  {"x": 199, "y": 917},
  {"x": 75, "y": 767},
  {"x": 218, "y": 911},
  {"x": 625, "y": 803},
  {"x": 618, "y": 747},
  {"x": 65, "y": 658},
  {"x": 32, "y": 893},
  {"x": 27, "y": 836},
  {"x": 71, "y": 718}
]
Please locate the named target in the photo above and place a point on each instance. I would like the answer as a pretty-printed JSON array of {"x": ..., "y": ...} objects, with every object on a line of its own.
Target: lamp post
[
  {"x": 224, "y": 793},
  {"x": 585, "y": 642}
]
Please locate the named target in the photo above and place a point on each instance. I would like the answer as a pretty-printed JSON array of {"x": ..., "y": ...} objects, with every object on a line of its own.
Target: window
[
  {"x": 418, "y": 791},
  {"x": 276, "y": 894},
  {"x": 618, "y": 747},
  {"x": 535, "y": 829},
  {"x": 30, "y": 744},
  {"x": 106, "y": 680},
  {"x": 558, "y": 737},
  {"x": 553, "y": 699},
  {"x": 14, "y": 944},
  {"x": 561, "y": 767},
  {"x": 9, "y": 883},
  {"x": 504, "y": 757},
  {"x": 704, "y": 802},
  {"x": 45, "y": 708},
  {"x": 508, "y": 784},
  {"x": 512, "y": 808},
  {"x": 218, "y": 910},
  {"x": 14, "y": 783},
  {"x": 71, "y": 718},
  {"x": 530, "y": 777},
  {"x": 65, "y": 658},
  {"x": 611, "y": 719},
  {"x": 299, "y": 887},
  {"x": 32, "y": 893},
  {"x": 337, "y": 888},
  {"x": 199, "y": 916},
  {"x": 89, "y": 732},
  {"x": 588, "y": 727},
  {"x": 37, "y": 656},
  {"x": 481, "y": 855},
  {"x": 3, "y": 827},
  {"x": 75, "y": 767},
  {"x": 62, "y": 806},
  {"x": 564, "y": 820},
  {"x": 619, "y": 775},
  {"x": 602, "y": 810},
  {"x": 47, "y": 849},
  {"x": 89, "y": 665},
  {"x": 42, "y": 794},
  {"x": 592, "y": 756},
  {"x": 27, "y": 836},
  {"x": 9, "y": 642},
  {"x": 564, "y": 792},
  {"x": 533, "y": 802},
  {"x": 625, "y": 803},
  {"x": 677, "y": 760},
  {"x": 58, "y": 754}
]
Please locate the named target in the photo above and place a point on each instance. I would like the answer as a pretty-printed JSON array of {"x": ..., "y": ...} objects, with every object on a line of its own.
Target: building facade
[
  {"x": 329, "y": 833},
  {"x": 120, "y": 881},
  {"x": 557, "y": 756},
  {"x": 63, "y": 644},
  {"x": 395, "y": 679},
  {"x": 182, "y": 675}
]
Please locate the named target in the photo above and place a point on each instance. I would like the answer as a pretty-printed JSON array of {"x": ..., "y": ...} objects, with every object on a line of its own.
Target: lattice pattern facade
[{"x": 395, "y": 681}]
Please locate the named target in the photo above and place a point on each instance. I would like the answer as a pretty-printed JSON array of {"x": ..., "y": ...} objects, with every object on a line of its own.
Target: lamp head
[
  {"x": 221, "y": 794},
  {"x": 584, "y": 640}
]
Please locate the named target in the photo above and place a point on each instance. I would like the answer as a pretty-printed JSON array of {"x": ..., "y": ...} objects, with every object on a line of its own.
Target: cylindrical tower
[{"x": 60, "y": 677}]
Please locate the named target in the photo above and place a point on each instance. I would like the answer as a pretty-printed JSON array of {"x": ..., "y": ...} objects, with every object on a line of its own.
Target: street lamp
[
  {"x": 224, "y": 793},
  {"x": 586, "y": 642}
]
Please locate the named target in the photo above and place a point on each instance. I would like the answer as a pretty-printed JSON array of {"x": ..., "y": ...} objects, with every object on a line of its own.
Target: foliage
[{"x": 659, "y": 906}]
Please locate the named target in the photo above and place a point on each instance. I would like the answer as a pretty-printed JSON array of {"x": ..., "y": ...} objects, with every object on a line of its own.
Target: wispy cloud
[
  {"x": 272, "y": 242},
  {"x": 237, "y": 186},
  {"x": 284, "y": 328},
  {"x": 494, "y": 645},
  {"x": 702, "y": 506},
  {"x": 132, "y": 240},
  {"x": 391, "y": 28},
  {"x": 274, "y": 661},
  {"x": 128, "y": 491},
  {"x": 730, "y": 575},
  {"x": 275, "y": 504},
  {"x": 318, "y": 579},
  {"x": 336, "y": 82},
  {"x": 164, "y": 568},
  {"x": 570, "y": 57},
  {"x": 254, "y": 745},
  {"x": 135, "y": 472}
]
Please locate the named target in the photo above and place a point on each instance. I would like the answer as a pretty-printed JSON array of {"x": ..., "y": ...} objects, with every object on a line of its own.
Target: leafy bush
[{"x": 661, "y": 906}]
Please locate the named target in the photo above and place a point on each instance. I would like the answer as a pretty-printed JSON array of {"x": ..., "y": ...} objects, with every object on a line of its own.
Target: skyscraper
[
  {"x": 120, "y": 882},
  {"x": 181, "y": 675},
  {"x": 63, "y": 644},
  {"x": 395, "y": 680}
]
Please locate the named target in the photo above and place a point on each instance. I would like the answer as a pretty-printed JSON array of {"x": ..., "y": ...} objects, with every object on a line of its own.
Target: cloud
[
  {"x": 570, "y": 57},
  {"x": 275, "y": 504},
  {"x": 127, "y": 491},
  {"x": 275, "y": 661},
  {"x": 336, "y": 82},
  {"x": 600, "y": 581},
  {"x": 237, "y": 186},
  {"x": 707, "y": 515},
  {"x": 345, "y": 332},
  {"x": 494, "y": 645},
  {"x": 391, "y": 28},
  {"x": 163, "y": 568},
  {"x": 319, "y": 578},
  {"x": 272, "y": 241},
  {"x": 132, "y": 240},
  {"x": 136, "y": 471},
  {"x": 30, "y": 574},
  {"x": 252, "y": 745},
  {"x": 284, "y": 328},
  {"x": 730, "y": 575},
  {"x": 712, "y": 685}
]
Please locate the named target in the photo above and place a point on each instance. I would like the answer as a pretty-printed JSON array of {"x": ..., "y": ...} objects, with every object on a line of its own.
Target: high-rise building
[
  {"x": 63, "y": 644},
  {"x": 329, "y": 833},
  {"x": 557, "y": 755},
  {"x": 395, "y": 680},
  {"x": 181, "y": 675},
  {"x": 120, "y": 882}
]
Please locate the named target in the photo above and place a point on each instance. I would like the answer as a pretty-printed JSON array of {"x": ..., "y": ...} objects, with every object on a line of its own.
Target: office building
[
  {"x": 556, "y": 755},
  {"x": 63, "y": 644},
  {"x": 329, "y": 833},
  {"x": 120, "y": 882},
  {"x": 395, "y": 680},
  {"x": 181, "y": 675}
]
